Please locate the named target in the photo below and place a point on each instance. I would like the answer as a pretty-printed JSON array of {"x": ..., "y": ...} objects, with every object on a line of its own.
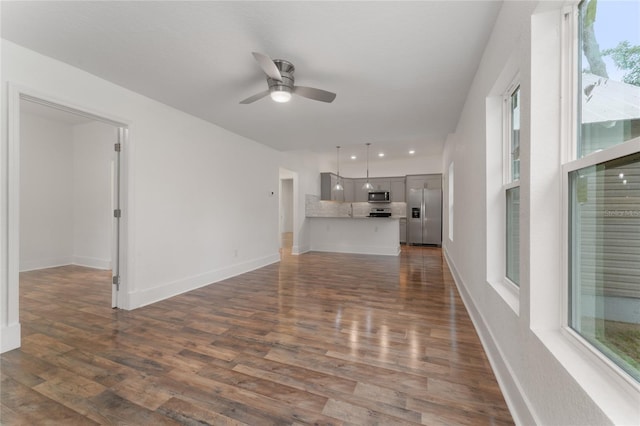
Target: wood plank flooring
[{"x": 320, "y": 338}]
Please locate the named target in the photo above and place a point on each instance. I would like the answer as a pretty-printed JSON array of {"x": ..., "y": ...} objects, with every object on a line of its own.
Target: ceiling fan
[{"x": 280, "y": 80}]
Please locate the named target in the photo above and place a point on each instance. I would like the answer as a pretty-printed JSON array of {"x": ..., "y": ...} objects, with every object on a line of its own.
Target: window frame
[
  {"x": 626, "y": 148},
  {"x": 451, "y": 200},
  {"x": 508, "y": 183},
  {"x": 506, "y": 131},
  {"x": 571, "y": 162},
  {"x": 495, "y": 197}
]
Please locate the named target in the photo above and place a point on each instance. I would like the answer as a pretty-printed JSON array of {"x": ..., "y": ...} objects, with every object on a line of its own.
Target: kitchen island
[{"x": 358, "y": 234}]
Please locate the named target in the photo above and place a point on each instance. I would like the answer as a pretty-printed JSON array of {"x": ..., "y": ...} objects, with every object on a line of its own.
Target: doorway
[
  {"x": 68, "y": 191},
  {"x": 286, "y": 213},
  {"x": 286, "y": 223},
  {"x": 64, "y": 197}
]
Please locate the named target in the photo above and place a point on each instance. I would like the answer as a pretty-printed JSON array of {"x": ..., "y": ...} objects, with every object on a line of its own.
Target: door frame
[
  {"x": 289, "y": 174},
  {"x": 10, "y": 300}
]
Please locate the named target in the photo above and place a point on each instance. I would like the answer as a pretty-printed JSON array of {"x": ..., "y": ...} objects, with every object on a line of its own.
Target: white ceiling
[{"x": 401, "y": 70}]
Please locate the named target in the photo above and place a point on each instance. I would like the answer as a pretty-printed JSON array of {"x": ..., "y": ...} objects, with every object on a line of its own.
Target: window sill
[
  {"x": 615, "y": 395},
  {"x": 509, "y": 292}
]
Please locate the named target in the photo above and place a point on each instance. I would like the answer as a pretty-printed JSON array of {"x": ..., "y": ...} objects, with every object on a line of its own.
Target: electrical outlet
[{"x": 235, "y": 253}]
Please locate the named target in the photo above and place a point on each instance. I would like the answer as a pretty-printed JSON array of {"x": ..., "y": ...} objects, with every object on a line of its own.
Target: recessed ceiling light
[
  {"x": 412, "y": 152},
  {"x": 353, "y": 157},
  {"x": 381, "y": 154}
]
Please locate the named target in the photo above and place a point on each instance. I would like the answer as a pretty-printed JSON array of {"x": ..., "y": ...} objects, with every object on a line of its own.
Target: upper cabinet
[
  {"x": 348, "y": 193},
  {"x": 360, "y": 194},
  {"x": 398, "y": 190},
  {"x": 353, "y": 192},
  {"x": 328, "y": 182},
  {"x": 381, "y": 184},
  {"x": 424, "y": 181}
]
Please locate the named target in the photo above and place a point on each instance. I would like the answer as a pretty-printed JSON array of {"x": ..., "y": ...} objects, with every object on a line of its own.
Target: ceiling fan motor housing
[
  {"x": 286, "y": 71},
  {"x": 282, "y": 83}
]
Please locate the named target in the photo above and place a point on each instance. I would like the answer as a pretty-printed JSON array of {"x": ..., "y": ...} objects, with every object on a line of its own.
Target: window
[
  {"x": 512, "y": 185},
  {"x": 513, "y": 235},
  {"x": 514, "y": 135},
  {"x": 609, "y": 74},
  {"x": 451, "y": 201},
  {"x": 499, "y": 181},
  {"x": 604, "y": 184}
]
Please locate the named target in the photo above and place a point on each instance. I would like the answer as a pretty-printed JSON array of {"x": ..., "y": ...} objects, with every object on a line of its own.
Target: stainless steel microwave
[{"x": 379, "y": 197}]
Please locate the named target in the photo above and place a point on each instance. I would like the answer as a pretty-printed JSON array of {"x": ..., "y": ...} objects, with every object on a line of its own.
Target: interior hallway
[{"x": 320, "y": 338}]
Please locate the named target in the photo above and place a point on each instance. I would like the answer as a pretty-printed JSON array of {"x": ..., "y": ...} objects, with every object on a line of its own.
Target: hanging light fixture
[
  {"x": 338, "y": 186},
  {"x": 367, "y": 186}
]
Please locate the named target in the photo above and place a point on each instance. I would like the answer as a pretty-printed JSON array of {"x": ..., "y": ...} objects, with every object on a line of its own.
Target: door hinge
[
  {"x": 116, "y": 281},
  {"x": 118, "y": 147},
  {"x": 117, "y": 213}
]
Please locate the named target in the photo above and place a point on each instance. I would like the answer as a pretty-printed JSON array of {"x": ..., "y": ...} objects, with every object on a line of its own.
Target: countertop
[{"x": 357, "y": 217}]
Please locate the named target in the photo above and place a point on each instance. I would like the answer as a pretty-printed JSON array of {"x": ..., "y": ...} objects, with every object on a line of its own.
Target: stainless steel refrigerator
[{"x": 424, "y": 216}]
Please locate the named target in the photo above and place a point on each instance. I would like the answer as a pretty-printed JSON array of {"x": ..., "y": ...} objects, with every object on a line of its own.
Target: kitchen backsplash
[{"x": 315, "y": 207}]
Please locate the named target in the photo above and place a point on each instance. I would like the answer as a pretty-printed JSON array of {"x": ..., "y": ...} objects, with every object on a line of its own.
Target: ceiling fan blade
[
  {"x": 267, "y": 65},
  {"x": 315, "y": 94},
  {"x": 255, "y": 97}
]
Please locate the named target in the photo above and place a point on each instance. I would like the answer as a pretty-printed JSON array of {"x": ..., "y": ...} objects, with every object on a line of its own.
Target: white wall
[
  {"x": 385, "y": 167},
  {"x": 197, "y": 202},
  {"x": 93, "y": 156},
  {"x": 46, "y": 194},
  {"x": 546, "y": 379},
  {"x": 65, "y": 193}
]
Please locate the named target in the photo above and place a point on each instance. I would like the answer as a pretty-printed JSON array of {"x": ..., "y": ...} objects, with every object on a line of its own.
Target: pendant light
[
  {"x": 338, "y": 186},
  {"x": 367, "y": 186}
]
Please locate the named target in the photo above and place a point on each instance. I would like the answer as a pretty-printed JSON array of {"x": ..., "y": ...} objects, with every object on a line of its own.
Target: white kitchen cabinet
[{"x": 403, "y": 230}]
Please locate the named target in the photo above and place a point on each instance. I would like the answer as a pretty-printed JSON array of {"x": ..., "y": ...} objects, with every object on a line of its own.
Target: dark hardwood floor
[{"x": 320, "y": 338}]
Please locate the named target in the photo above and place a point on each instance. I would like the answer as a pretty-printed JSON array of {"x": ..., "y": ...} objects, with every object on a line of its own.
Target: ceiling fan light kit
[
  {"x": 280, "y": 89},
  {"x": 280, "y": 95},
  {"x": 281, "y": 82}
]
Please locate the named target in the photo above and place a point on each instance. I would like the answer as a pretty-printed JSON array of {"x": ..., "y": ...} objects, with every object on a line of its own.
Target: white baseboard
[
  {"x": 89, "y": 262},
  {"x": 354, "y": 249},
  {"x": 514, "y": 396},
  {"x": 9, "y": 337},
  {"x": 165, "y": 291},
  {"x": 300, "y": 249},
  {"x": 92, "y": 262},
  {"x": 32, "y": 265}
]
